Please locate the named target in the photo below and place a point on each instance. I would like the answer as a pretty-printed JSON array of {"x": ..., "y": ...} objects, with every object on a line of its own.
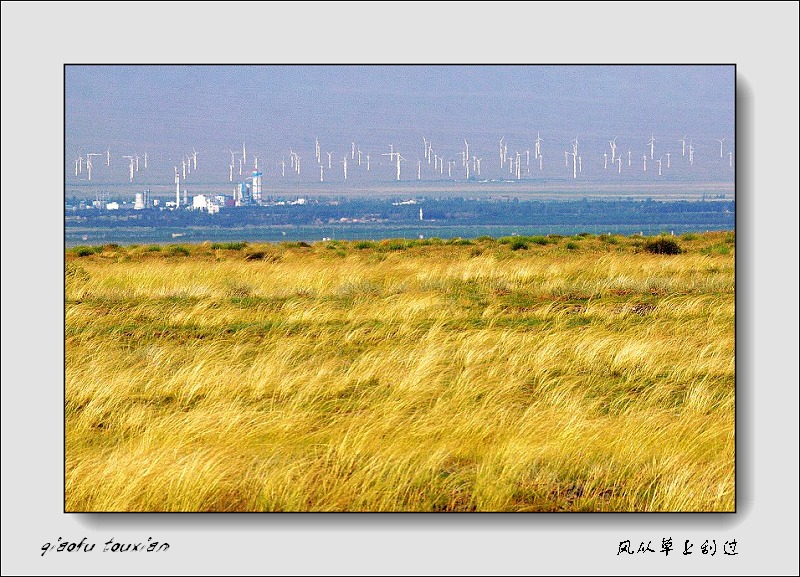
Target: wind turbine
[
  {"x": 367, "y": 162},
  {"x": 537, "y": 151},
  {"x": 283, "y": 167},
  {"x": 78, "y": 165},
  {"x": 651, "y": 142},
  {"x": 419, "y": 170},
  {"x": 321, "y": 173},
  {"x": 316, "y": 148},
  {"x": 329, "y": 160},
  {"x": 613, "y": 144},
  {"x": 502, "y": 157},
  {"x": 399, "y": 158},
  {"x": 691, "y": 153},
  {"x": 194, "y": 158},
  {"x": 478, "y": 165},
  {"x": 619, "y": 165},
  {"x": 244, "y": 153},
  {"x": 108, "y": 156},
  {"x": 177, "y": 188},
  {"x": 629, "y": 157},
  {"x": 659, "y": 166},
  {"x": 145, "y": 159},
  {"x": 353, "y": 150},
  {"x": 730, "y": 158},
  {"x": 683, "y": 145},
  {"x": 240, "y": 167},
  {"x": 720, "y": 140},
  {"x": 89, "y": 156},
  {"x": 230, "y": 178},
  {"x": 425, "y": 147},
  {"x": 358, "y": 152},
  {"x": 344, "y": 162},
  {"x": 540, "y": 162},
  {"x": 605, "y": 160},
  {"x": 644, "y": 162}
]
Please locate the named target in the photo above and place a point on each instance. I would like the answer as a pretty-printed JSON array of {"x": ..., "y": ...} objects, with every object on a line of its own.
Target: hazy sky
[{"x": 214, "y": 107}]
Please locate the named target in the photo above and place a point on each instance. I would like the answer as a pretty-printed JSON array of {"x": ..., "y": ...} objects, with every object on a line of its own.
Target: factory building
[{"x": 256, "y": 187}]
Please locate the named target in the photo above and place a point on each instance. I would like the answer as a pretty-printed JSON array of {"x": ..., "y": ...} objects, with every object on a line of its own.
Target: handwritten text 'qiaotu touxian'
[{"x": 110, "y": 546}]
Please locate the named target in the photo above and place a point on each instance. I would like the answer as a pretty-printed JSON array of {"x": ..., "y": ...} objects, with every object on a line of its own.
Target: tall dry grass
[{"x": 416, "y": 376}]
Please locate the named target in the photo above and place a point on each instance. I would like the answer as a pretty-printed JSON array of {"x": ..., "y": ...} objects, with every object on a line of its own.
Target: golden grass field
[{"x": 520, "y": 374}]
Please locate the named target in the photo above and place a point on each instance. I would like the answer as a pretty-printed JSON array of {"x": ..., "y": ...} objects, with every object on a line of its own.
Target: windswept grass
[{"x": 576, "y": 374}]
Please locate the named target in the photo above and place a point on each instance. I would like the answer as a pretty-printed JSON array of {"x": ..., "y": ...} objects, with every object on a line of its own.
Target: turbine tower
[
  {"x": 720, "y": 140},
  {"x": 651, "y": 142},
  {"x": 399, "y": 158},
  {"x": 177, "y": 188},
  {"x": 89, "y": 156}
]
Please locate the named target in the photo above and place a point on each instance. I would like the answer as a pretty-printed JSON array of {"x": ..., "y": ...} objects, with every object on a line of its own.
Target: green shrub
[
  {"x": 572, "y": 245},
  {"x": 153, "y": 248},
  {"x": 662, "y": 245},
  {"x": 179, "y": 250},
  {"x": 87, "y": 250},
  {"x": 364, "y": 244},
  {"x": 229, "y": 245},
  {"x": 520, "y": 245},
  {"x": 393, "y": 244},
  {"x": 721, "y": 248}
]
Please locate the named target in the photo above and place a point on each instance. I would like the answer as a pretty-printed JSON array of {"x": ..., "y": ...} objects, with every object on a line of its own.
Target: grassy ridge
[{"x": 519, "y": 374}]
